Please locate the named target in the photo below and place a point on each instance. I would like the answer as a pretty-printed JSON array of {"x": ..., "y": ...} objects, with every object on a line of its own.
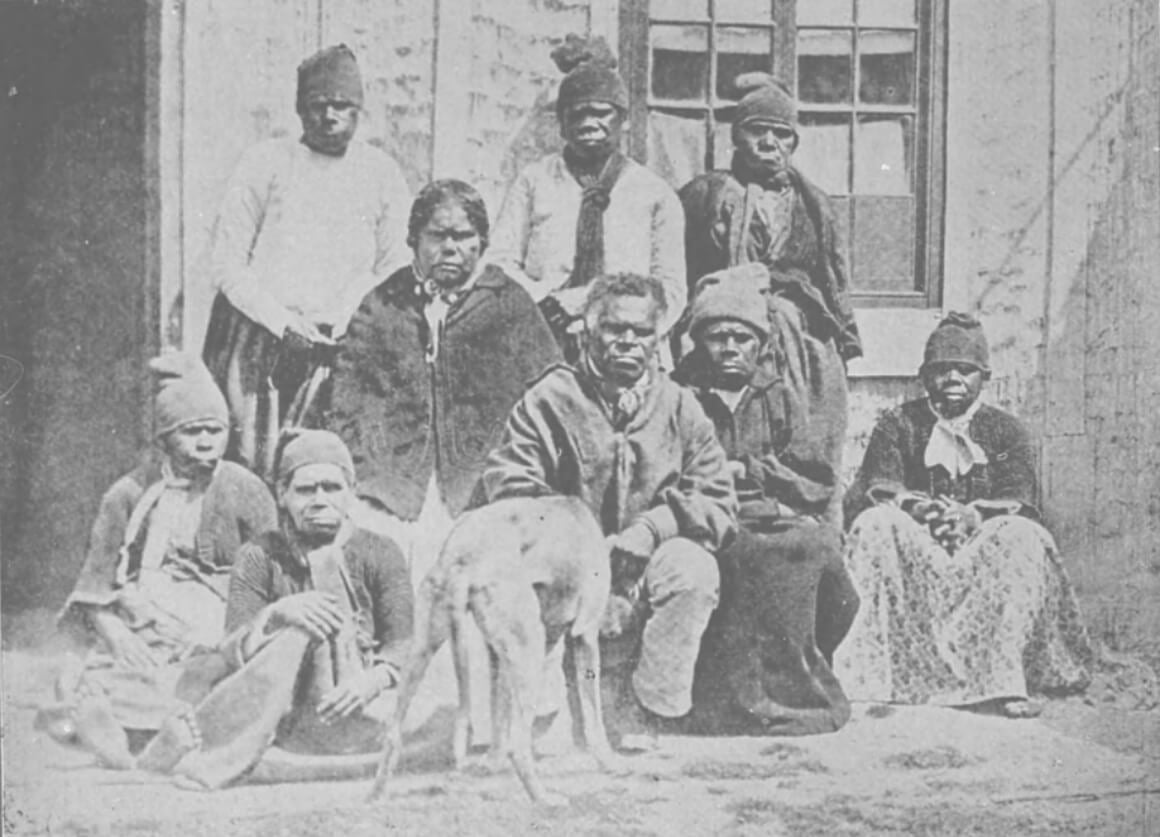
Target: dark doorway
[{"x": 76, "y": 267}]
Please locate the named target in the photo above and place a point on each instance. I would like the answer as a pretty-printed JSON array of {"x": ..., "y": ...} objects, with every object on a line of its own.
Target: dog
[{"x": 532, "y": 572}]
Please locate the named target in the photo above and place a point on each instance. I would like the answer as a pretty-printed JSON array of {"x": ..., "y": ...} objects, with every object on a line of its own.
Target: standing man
[
  {"x": 589, "y": 210},
  {"x": 765, "y": 212},
  {"x": 307, "y": 227},
  {"x": 638, "y": 449}
]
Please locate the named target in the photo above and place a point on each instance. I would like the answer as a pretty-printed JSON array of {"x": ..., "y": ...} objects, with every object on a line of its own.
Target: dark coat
[
  {"x": 404, "y": 417},
  {"x": 559, "y": 440},
  {"x": 787, "y": 468},
  {"x": 786, "y": 599},
  {"x": 810, "y": 269},
  {"x": 237, "y": 506},
  {"x": 269, "y": 569},
  {"x": 894, "y": 460}
]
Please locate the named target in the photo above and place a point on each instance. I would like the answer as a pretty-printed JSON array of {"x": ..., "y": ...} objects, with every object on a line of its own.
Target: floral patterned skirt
[{"x": 996, "y": 619}]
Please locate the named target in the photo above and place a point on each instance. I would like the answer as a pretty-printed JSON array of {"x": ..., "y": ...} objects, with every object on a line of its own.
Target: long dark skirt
[
  {"x": 248, "y": 364},
  {"x": 786, "y": 604}
]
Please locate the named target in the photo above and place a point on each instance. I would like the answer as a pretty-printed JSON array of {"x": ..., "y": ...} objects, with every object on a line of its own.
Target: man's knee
[
  {"x": 883, "y": 517},
  {"x": 681, "y": 567}
]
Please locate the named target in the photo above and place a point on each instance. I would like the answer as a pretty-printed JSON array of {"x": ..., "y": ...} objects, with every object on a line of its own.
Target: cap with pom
[
  {"x": 590, "y": 74},
  {"x": 734, "y": 293},
  {"x": 186, "y": 393},
  {"x": 332, "y": 73},
  {"x": 314, "y": 447},
  {"x": 764, "y": 99},
  {"x": 958, "y": 338}
]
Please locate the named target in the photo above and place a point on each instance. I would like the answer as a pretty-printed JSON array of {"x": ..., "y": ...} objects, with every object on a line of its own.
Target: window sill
[{"x": 892, "y": 341}]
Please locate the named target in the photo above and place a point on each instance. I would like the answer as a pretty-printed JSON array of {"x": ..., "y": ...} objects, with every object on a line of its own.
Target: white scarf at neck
[{"x": 951, "y": 445}]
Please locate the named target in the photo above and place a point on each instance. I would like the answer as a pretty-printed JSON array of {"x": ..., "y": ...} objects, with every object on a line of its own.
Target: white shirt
[
  {"x": 534, "y": 239},
  {"x": 309, "y": 233}
]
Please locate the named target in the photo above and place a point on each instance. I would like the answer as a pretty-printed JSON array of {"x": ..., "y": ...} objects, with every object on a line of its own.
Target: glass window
[{"x": 870, "y": 133}]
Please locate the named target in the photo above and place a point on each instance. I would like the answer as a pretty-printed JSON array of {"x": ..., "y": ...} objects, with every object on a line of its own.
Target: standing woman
[{"x": 434, "y": 360}]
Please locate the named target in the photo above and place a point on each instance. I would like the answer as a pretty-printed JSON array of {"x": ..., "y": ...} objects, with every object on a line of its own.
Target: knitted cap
[
  {"x": 764, "y": 99},
  {"x": 591, "y": 76},
  {"x": 186, "y": 393},
  {"x": 314, "y": 447},
  {"x": 731, "y": 294},
  {"x": 958, "y": 338},
  {"x": 332, "y": 72}
]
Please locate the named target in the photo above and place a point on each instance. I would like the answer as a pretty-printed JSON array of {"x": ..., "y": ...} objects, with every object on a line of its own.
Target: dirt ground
[{"x": 1089, "y": 765}]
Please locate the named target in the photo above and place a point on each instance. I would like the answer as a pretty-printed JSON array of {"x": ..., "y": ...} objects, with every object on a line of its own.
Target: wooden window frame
[{"x": 930, "y": 136}]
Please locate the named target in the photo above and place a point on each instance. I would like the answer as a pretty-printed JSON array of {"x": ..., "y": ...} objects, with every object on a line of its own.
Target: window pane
[
  {"x": 883, "y": 155},
  {"x": 887, "y": 67},
  {"x": 680, "y": 62},
  {"x": 824, "y": 66},
  {"x": 744, "y": 11},
  {"x": 741, "y": 51},
  {"x": 883, "y": 245},
  {"x": 823, "y": 153},
  {"x": 676, "y": 146},
  {"x": 678, "y": 9},
  {"x": 842, "y": 208},
  {"x": 824, "y": 12},
  {"x": 722, "y": 145},
  {"x": 886, "y": 13}
]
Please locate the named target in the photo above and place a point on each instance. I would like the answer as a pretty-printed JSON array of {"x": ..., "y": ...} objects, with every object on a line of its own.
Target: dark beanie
[
  {"x": 958, "y": 338},
  {"x": 764, "y": 99},
  {"x": 186, "y": 393},
  {"x": 314, "y": 447},
  {"x": 590, "y": 74},
  {"x": 331, "y": 72},
  {"x": 734, "y": 293}
]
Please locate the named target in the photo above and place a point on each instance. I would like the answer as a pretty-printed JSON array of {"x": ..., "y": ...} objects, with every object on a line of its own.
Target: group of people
[{"x": 677, "y": 361}]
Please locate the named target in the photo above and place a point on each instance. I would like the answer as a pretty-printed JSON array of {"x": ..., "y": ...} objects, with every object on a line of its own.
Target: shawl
[{"x": 809, "y": 269}]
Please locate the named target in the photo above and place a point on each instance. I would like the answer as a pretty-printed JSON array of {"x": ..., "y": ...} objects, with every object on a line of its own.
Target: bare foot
[{"x": 1020, "y": 708}]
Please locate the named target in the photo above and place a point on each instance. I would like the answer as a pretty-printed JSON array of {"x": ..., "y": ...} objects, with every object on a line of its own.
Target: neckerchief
[
  {"x": 951, "y": 445},
  {"x": 621, "y": 404},
  {"x": 156, "y": 546},
  {"x": 438, "y": 302},
  {"x": 589, "y": 259}
]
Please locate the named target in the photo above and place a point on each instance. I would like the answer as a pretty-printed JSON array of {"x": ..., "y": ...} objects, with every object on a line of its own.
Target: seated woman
[
  {"x": 786, "y": 601},
  {"x": 964, "y": 599},
  {"x": 434, "y": 360},
  {"x": 319, "y": 617},
  {"x": 151, "y": 595}
]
